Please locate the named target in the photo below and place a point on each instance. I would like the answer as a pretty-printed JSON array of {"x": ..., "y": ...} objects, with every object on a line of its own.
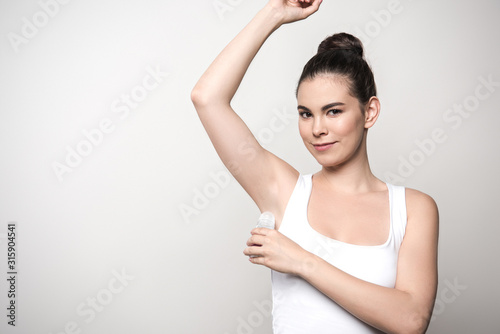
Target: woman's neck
[{"x": 352, "y": 177}]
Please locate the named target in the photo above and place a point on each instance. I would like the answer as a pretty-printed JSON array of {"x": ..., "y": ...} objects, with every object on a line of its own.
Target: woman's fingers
[
  {"x": 312, "y": 6},
  {"x": 307, "y": 8},
  {"x": 295, "y": 10},
  {"x": 257, "y": 260},
  {"x": 256, "y": 240},
  {"x": 272, "y": 249},
  {"x": 254, "y": 251},
  {"x": 263, "y": 231}
]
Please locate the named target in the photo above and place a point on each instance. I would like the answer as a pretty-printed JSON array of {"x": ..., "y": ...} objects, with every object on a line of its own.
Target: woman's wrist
[
  {"x": 272, "y": 15},
  {"x": 308, "y": 265}
]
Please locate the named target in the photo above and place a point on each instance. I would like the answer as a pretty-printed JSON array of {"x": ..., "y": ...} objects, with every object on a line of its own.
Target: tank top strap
[{"x": 397, "y": 199}]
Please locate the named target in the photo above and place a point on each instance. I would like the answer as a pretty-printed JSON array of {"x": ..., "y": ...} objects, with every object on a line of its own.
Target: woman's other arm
[{"x": 406, "y": 308}]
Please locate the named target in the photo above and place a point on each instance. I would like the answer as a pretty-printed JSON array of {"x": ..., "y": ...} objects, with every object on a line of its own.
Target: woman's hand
[
  {"x": 294, "y": 10},
  {"x": 272, "y": 249}
]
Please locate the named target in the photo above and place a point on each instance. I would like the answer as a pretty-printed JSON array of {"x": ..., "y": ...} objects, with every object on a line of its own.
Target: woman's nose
[{"x": 319, "y": 127}]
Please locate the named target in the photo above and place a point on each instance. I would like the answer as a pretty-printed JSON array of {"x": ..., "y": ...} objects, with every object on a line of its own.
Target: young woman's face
[{"x": 331, "y": 123}]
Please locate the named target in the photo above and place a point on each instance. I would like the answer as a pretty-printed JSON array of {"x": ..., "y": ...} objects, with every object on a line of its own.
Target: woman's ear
[{"x": 372, "y": 110}]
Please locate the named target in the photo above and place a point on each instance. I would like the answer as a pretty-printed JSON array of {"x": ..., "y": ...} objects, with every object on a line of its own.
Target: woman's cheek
[
  {"x": 303, "y": 130},
  {"x": 344, "y": 126}
]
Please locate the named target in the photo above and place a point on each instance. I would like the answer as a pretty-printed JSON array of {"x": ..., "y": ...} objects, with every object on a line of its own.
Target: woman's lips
[{"x": 323, "y": 147}]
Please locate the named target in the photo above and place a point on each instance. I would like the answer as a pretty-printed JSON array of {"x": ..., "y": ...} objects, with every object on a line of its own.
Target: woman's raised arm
[{"x": 261, "y": 174}]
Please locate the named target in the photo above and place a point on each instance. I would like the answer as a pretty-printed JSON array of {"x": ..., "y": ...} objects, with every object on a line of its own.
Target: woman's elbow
[
  {"x": 198, "y": 96},
  {"x": 204, "y": 99},
  {"x": 416, "y": 324}
]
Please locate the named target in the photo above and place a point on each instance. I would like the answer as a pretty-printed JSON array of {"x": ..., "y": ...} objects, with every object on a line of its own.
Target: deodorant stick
[{"x": 266, "y": 220}]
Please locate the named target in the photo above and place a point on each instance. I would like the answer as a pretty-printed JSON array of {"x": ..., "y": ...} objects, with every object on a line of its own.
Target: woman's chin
[{"x": 328, "y": 162}]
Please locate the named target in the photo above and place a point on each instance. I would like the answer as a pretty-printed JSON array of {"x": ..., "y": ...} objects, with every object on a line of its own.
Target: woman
[{"x": 350, "y": 253}]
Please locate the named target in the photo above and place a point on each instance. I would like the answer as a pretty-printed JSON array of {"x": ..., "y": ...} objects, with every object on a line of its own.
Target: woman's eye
[
  {"x": 334, "y": 111},
  {"x": 305, "y": 114}
]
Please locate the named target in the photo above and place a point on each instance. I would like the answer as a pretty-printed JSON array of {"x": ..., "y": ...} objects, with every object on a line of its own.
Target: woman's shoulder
[
  {"x": 415, "y": 197},
  {"x": 420, "y": 206}
]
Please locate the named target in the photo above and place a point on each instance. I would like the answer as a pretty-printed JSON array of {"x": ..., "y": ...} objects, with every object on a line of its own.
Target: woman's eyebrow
[
  {"x": 331, "y": 105},
  {"x": 325, "y": 107}
]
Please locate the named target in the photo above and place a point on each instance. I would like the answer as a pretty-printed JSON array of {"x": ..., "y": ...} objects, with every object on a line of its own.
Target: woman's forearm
[
  {"x": 221, "y": 80},
  {"x": 388, "y": 309}
]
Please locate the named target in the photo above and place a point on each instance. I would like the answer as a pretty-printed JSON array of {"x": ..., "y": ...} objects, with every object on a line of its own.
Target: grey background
[{"x": 121, "y": 208}]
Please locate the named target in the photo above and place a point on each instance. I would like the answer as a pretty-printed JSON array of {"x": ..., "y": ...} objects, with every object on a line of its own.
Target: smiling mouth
[{"x": 323, "y": 147}]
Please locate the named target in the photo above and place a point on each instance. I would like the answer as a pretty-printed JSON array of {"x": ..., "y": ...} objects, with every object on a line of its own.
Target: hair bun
[{"x": 342, "y": 41}]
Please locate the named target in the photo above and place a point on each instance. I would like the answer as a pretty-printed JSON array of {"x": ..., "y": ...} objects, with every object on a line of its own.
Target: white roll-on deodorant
[{"x": 266, "y": 220}]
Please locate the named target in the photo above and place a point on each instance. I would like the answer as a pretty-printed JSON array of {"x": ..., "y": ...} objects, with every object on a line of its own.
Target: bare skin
[{"x": 334, "y": 130}]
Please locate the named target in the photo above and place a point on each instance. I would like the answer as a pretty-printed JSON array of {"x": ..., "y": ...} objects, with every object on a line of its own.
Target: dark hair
[{"x": 342, "y": 54}]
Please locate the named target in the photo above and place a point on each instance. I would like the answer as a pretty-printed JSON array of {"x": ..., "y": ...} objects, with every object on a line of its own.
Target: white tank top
[{"x": 298, "y": 307}]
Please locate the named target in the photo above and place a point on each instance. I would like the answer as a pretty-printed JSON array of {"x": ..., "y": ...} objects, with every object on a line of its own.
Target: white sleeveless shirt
[{"x": 298, "y": 307}]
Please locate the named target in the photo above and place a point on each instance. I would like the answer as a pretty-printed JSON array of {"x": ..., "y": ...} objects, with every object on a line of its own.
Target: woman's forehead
[{"x": 321, "y": 89}]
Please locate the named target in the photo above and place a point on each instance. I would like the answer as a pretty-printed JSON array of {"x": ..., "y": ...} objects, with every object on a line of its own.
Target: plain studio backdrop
[{"x": 127, "y": 222}]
